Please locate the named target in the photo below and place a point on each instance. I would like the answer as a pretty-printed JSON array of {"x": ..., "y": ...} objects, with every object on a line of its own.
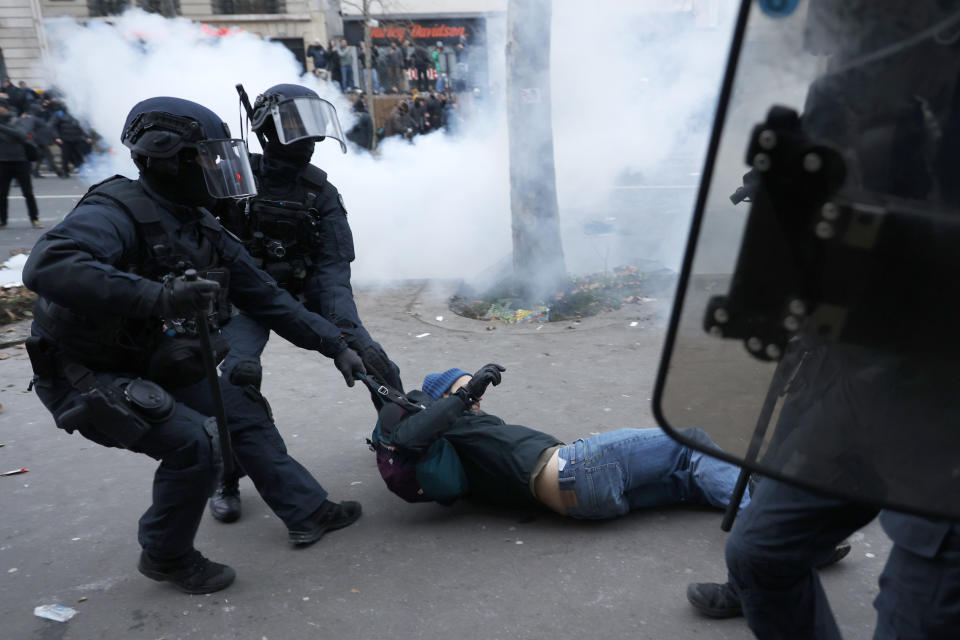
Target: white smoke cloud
[
  {"x": 634, "y": 89},
  {"x": 625, "y": 101},
  {"x": 106, "y": 68},
  {"x": 439, "y": 208}
]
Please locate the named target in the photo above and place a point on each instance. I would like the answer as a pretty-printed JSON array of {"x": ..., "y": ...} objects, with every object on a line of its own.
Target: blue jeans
[
  {"x": 376, "y": 80},
  {"x": 346, "y": 76},
  {"x": 616, "y": 472}
]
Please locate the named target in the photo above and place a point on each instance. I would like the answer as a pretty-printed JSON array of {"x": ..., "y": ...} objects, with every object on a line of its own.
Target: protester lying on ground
[{"x": 437, "y": 445}]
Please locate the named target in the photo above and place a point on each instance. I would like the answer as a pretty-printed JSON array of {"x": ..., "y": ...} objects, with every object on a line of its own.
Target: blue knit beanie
[{"x": 437, "y": 384}]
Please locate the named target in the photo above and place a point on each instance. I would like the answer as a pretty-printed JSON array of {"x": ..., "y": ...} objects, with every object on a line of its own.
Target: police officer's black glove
[
  {"x": 348, "y": 362},
  {"x": 182, "y": 298},
  {"x": 473, "y": 390},
  {"x": 379, "y": 365}
]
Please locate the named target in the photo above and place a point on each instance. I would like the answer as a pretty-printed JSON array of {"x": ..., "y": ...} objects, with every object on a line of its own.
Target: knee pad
[
  {"x": 253, "y": 393},
  {"x": 247, "y": 372}
]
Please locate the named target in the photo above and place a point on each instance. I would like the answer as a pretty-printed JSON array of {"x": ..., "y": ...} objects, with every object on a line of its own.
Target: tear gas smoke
[
  {"x": 632, "y": 106},
  {"x": 634, "y": 91},
  {"x": 439, "y": 208}
]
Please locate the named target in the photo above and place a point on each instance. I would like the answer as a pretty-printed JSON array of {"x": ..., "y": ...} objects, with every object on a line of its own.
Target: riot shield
[{"x": 814, "y": 332}]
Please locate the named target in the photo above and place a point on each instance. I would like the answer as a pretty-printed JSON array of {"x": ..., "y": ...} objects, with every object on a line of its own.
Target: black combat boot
[
  {"x": 715, "y": 599},
  {"x": 329, "y": 517},
  {"x": 191, "y": 573},
  {"x": 225, "y": 501},
  {"x": 721, "y": 600},
  {"x": 839, "y": 553}
]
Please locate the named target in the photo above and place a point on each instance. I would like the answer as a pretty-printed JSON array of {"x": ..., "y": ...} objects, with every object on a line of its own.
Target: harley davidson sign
[{"x": 448, "y": 31}]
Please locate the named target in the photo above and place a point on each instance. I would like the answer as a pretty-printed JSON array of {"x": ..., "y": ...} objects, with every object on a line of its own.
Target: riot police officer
[
  {"x": 114, "y": 342},
  {"x": 870, "y": 408},
  {"x": 296, "y": 229}
]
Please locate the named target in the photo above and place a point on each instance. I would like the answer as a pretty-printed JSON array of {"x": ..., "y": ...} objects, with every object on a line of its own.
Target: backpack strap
[{"x": 387, "y": 393}]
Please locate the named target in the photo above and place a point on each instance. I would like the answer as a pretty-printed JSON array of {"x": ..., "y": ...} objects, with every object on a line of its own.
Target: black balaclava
[
  {"x": 297, "y": 153},
  {"x": 178, "y": 179},
  {"x": 281, "y": 162}
]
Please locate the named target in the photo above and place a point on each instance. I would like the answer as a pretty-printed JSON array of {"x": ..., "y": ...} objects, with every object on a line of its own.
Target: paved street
[
  {"x": 68, "y": 529},
  {"x": 55, "y": 198}
]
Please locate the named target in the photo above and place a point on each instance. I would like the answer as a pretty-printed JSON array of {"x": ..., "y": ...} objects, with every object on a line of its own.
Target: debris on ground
[
  {"x": 582, "y": 296},
  {"x": 503, "y": 312},
  {"x": 14, "y": 472},
  {"x": 56, "y": 612},
  {"x": 16, "y": 303}
]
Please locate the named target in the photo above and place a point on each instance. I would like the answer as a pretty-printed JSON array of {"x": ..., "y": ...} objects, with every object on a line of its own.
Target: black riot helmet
[
  {"x": 289, "y": 113},
  {"x": 175, "y": 141}
]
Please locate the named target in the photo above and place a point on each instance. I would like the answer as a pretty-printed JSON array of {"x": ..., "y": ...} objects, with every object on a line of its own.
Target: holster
[
  {"x": 106, "y": 409},
  {"x": 43, "y": 358},
  {"x": 103, "y": 408}
]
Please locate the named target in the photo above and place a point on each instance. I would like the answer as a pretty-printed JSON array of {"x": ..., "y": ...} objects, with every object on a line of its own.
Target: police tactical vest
[
  {"x": 283, "y": 235},
  {"x": 168, "y": 246}
]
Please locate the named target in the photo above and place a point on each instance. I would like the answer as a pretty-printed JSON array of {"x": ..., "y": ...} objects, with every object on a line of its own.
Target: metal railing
[
  {"x": 99, "y": 8},
  {"x": 230, "y": 7}
]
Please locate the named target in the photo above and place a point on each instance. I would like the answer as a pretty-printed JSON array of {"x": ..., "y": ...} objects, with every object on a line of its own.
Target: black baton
[
  {"x": 245, "y": 103},
  {"x": 226, "y": 451}
]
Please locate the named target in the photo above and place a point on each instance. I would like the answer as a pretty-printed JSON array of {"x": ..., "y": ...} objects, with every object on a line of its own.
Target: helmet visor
[
  {"x": 306, "y": 117},
  {"x": 226, "y": 168}
]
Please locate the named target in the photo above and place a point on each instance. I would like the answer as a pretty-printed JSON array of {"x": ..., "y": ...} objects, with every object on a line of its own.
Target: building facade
[{"x": 295, "y": 23}]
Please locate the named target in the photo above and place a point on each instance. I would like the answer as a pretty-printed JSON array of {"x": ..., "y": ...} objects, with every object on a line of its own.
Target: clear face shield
[
  {"x": 306, "y": 117},
  {"x": 226, "y": 168}
]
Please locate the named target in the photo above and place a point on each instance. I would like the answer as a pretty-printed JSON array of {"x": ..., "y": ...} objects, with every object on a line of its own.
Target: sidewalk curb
[{"x": 429, "y": 302}]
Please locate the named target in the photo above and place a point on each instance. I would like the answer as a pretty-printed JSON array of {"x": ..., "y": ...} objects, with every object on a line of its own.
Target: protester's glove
[
  {"x": 182, "y": 298},
  {"x": 471, "y": 392},
  {"x": 349, "y": 363}
]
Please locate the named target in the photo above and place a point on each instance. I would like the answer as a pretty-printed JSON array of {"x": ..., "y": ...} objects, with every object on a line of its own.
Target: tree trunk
[{"x": 537, "y": 250}]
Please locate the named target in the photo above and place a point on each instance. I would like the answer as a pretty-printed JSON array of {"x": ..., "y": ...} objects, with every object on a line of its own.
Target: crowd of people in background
[
  {"x": 33, "y": 125},
  {"x": 422, "y": 113},
  {"x": 43, "y": 116},
  {"x": 395, "y": 67},
  {"x": 425, "y": 79},
  {"x": 414, "y": 114},
  {"x": 37, "y": 132}
]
